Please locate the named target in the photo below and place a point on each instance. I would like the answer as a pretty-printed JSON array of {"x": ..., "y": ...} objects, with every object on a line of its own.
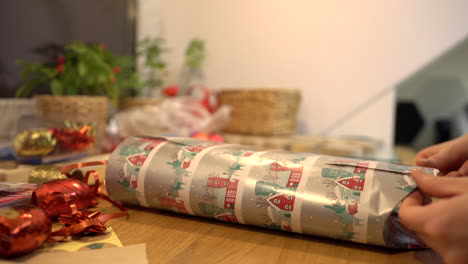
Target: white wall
[{"x": 340, "y": 53}]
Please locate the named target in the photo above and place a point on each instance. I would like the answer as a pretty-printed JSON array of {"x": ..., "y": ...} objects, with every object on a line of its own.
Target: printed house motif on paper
[
  {"x": 282, "y": 201},
  {"x": 137, "y": 160},
  {"x": 181, "y": 162},
  {"x": 221, "y": 189},
  {"x": 231, "y": 189},
  {"x": 354, "y": 183},
  {"x": 405, "y": 182},
  {"x": 172, "y": 203},
  {"x": 136, "y": 156},
  {"x": 277, "y": 192},
  {"x": 346, "y": 184}
]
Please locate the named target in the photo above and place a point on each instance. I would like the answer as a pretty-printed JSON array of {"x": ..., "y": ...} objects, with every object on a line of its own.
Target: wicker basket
[
  {"x": 262, "y": 111},
  {"x": 73, "y": 108},
  {"x": 78, "y": 109},
  {"x": 131, "y": 102}
]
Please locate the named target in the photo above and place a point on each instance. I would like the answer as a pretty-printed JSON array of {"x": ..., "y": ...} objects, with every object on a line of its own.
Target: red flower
[
  {"x": 116, "y": 69},
  {"x": 60, "y": 68},
  {"x": 171, "y": 90},
  {"x": 112, "y": 79},
  {"x": 102, "y": 46},
  {"x": 73, "y": 140},
  {"x": 60, "y": 60}
]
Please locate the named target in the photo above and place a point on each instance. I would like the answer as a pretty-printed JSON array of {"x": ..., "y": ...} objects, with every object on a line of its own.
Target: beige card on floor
[
  {"x": 135, "y": 254},
  {"x": 99, "y": 241}
]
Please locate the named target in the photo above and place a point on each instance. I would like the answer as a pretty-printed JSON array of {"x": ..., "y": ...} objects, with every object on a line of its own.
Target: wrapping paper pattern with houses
[
  {"x": 270, "y": 199},
  {"x": 150, "y": 180},
  {"x": 305, "y": 193},
  {"x": 218, "y": 181},
  {"x": 345, "y": 198}
]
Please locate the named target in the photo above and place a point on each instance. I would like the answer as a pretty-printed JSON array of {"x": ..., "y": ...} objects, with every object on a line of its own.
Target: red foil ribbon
[
  {"x": 68, "y": 199},
  {"x": 64, "y": 196},
  {"x": 87, "y": 221},
  {"x": 66, "y": 169},
  {"x": 73, "y": 140},
  {"x": 23, "y": 228}
]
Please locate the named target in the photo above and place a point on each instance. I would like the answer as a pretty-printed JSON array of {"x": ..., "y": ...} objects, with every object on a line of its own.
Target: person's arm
[
  {"x": 442, "y": 225},
  {"x": 450, "y": 156}
]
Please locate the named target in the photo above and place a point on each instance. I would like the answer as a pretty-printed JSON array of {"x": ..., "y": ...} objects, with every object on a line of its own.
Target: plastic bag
[{"x": 179, "y": 116}]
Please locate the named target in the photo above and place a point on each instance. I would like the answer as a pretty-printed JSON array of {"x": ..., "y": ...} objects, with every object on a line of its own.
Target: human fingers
[
  {"x": 412, "y": 212},
  {"x": 440, "y": 187},
  {"x": 445, "y": 160},
  {"x": 445, "y": 228},
  {"x": 422, "y": 157},
  {"x": 463, "y": 170},
  {"x": 441, "y": 225},
  {"x": 453, "y": 174},
  {"x": 446, "y": 157}
]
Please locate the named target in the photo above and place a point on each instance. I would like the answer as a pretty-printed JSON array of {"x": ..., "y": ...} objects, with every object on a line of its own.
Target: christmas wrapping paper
[{"x": 335, "y": 197}]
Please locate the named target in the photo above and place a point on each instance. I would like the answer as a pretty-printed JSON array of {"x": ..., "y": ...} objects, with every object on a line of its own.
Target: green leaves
[
  {"x": 34, "y": 75},
  {"x": 26, "y": 89},
  {"x": 195, "y": 54},
  {"x": 152, "y": 50},
  {"x": 56, "y": 87},
  {"x": 82, "y": 70},
  {"x": 91, "y": 69},
  {"x": 114, "y": 93}
]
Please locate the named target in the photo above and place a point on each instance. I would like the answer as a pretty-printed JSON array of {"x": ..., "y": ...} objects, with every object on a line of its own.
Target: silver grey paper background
[{"x": 297, "y": 192}]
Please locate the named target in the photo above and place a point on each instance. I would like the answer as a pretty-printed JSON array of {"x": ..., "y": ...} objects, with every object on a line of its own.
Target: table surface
[{"x": 175, "y": 238}]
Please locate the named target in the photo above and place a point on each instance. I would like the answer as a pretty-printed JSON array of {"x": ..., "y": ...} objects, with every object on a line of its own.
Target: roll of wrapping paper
[{"x": 334, "y": 197}]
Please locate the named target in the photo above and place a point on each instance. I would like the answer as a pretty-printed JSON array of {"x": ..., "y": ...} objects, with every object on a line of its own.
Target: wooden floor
[{"x": 174, "y": 238}]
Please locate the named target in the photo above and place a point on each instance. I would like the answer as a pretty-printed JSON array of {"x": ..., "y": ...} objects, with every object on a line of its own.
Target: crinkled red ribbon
[
  {"x": 86, "y": 221},
  {"x": 73, "y": 140}
]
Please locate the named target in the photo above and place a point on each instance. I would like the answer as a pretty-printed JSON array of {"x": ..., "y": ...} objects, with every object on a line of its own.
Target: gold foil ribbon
[
  {"x": 34, "y": 142},
  {"x": 45, "y": 173}
]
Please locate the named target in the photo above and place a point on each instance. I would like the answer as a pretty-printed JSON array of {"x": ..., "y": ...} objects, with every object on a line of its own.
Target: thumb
[
  {"x": 439, "y": 160},
  {"x": 447, "y": 159},
  {"x": 463, "y": 171},
  {"x": 440, "y": 187}
]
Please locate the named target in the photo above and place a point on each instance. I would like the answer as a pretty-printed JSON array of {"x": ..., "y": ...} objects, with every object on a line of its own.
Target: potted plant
[
  {"x": 192, "y": 73},
  {"x": 80, "y": 83},
  {"x": 81, "y": 69},
  {"x": 153, "y": 71}
]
